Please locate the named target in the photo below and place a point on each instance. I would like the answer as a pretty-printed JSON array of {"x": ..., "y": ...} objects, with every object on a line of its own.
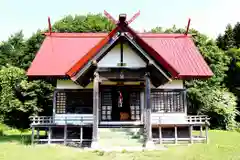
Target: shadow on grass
[{"x": 22, "y": 139}]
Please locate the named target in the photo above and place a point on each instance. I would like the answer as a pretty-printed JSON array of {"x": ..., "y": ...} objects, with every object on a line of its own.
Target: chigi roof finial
[{"x": 122, "y": 17}]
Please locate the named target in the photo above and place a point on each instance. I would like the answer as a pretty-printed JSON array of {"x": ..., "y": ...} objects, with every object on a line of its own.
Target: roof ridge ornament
[
  {"x": 49, "y": 26},
  {"x": 188, "y": 25},
  {"x": 122, "y": 17}
]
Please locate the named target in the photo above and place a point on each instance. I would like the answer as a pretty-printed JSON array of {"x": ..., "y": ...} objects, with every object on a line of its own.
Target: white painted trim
[
  {"x": 130, "y": 58},
  {"x": 174, "y": 84},
  {"x": 120, "y": 122},
  {"x": 69, "y": 84}
]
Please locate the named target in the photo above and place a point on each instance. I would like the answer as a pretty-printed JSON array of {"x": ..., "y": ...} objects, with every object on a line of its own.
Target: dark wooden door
[{"x": 110, "y": 109}]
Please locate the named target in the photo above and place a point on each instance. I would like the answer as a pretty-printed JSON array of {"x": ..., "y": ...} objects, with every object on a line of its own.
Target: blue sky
[{"x": 208, "y": 16}]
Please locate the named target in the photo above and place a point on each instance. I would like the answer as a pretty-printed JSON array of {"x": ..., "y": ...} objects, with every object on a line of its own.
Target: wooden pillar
[
  {"x": 95, "y": 110},
  {"x": 81, "y": 134},
  {"x": 49, "y": 135},
  {"x": 201, "y": 131},
  {"x": 54, "y": 105},
  {"x": 142, "y": 107},
  {"x": 160, "y": 135},
  {"x": 65, "y": 135},
  {"x": 206, "y": 133},
  {"x": 190, "y": 133},
  {"x": 175, "y": 135},
  {"x": 32, "y": 140},
  {"x": 148, "y": 111}
]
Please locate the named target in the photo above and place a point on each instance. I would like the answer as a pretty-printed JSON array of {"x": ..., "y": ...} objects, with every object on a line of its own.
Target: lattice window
[
  {"x": 167, "y": 101},
  {"x": 106, "y": 107},
  {"x": 72, "y": 101},
  {"x": 60, "y": 102},
  {"x": 158, "y": 104},
  {"x": 135, "y": 106}
]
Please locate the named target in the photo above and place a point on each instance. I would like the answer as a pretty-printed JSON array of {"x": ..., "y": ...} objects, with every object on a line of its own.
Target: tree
[
  {"x": 12, "y": 49},
  {"x": 19, "y": 98},
  {"x": 236, "y": 34},
  {"x": 230, "y": 38},
  {"x": 81, "y": 23},
  {"x": 157, "y": 30}
]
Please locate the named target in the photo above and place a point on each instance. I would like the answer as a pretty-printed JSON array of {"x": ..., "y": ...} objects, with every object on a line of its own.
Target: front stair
[{"x": 121, "y": 137}]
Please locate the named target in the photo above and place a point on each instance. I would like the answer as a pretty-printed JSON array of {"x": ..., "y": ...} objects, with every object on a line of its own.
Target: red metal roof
[
  {"x": 61, "y": 51},
  {"x": 181, "y": 53}
]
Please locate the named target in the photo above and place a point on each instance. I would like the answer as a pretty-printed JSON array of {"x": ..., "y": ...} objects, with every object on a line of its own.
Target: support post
[
  {"x": 190, "y": 133},
  {"x": 206, "y": 133},
  {"x": 142, "y": 107},
  {"x": 175, "y": 137},
  {"x": 54, "y": 105},
  {"x": 49, "y": 135},
  {"x": 32, "y": 135},
  {"x": 160, "y": 135},
  {"x": 65, "y": 134},
  {"x": 95, "y": 110},
  {"x": 149, "y": 143},
  {"x": 81, "y": 134},
  {"x": 201, "y": 131}
]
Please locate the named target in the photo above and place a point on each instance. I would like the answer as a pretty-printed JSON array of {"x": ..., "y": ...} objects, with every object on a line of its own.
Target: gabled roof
[
  {"x": 65, "y": 53},
  {"x": 122, "y": 28}
]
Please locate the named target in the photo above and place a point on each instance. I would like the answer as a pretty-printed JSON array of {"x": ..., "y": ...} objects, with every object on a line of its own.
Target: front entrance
[{"x": 120, "y": 103}]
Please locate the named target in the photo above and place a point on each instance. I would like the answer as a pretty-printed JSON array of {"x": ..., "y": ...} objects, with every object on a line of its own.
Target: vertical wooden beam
[
  {"x": 81, "y": 134},
  {"x": 175, "y": 135},
  {"x": 65, "y": 134},
  {"x": 190, "y": 133},
  {"x": 185, "y": 101},
  {"x": 206, "y": 133},
  {"x": 201, "y": 131},
  {"x": 148, "y": 122},
  {"x": 160, "y": 134},
  {"x": 54, "y": 105},
  {"x": 142, "y": 107},
  {"x": 32, "y": 140},
  {"x": 95, "y": 110},
  {"x": 49, "y": 134},
  {"x": 121, "y": 51}
]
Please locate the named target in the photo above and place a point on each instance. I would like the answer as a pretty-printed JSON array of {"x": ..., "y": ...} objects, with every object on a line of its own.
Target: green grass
[{"x": 223, "y": 146}]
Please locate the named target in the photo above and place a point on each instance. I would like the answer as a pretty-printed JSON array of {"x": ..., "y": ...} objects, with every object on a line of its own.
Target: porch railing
[
  {"x": 87, "y": 119},
  {"x": 60, "y": 119},
  {"x": 199, "y": 119},
  {"x": 41, "y": 120},
  {"x": 191, "y": 120}
]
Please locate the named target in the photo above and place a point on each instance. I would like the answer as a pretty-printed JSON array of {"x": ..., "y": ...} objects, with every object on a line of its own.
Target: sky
[{"x": 207, "y": 16}]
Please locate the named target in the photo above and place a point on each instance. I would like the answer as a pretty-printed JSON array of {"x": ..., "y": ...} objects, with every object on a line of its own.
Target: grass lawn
[{"x": 223, "y": 146}]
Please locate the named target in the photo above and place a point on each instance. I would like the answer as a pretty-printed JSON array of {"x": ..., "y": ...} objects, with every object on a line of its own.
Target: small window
[
  {"x": 167, "y": 101},
  {"x": 60, "y": 102},
  {"x": 74, "y": 101}
]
